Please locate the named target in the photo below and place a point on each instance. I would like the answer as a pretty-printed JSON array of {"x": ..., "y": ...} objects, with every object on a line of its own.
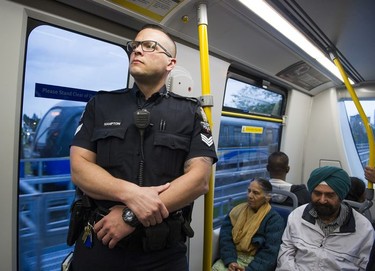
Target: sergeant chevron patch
[{"x": 208, "y": 140}]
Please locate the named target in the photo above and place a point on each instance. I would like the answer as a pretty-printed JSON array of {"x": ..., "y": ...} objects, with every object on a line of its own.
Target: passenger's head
[
  {"x": 328, "y": 186},
  {"x": 357, "y": 190},
  {"x": 278, "y": 165},
  {"x": 258, "y": 193},
  {"x": 152, "y": 53}
]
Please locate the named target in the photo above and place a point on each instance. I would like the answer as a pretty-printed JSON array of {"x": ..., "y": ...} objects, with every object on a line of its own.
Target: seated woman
[{"x": 250, "y": 235}]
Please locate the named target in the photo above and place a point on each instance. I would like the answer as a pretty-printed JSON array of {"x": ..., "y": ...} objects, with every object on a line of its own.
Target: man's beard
[{"x": 324, "y": 210}]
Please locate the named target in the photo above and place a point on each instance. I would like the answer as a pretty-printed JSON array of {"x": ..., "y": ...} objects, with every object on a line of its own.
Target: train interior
[{"x": 268, "y": 94}]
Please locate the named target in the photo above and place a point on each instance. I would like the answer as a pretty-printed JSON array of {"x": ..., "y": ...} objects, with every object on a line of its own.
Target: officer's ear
[{"x": 171, "y": 64}]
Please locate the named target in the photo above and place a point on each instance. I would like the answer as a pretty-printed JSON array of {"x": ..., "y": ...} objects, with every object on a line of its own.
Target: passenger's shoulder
[
  {"x": 275, "y": 215},
  {"x": 361, "y": 219},
  {"x": 275, "y": 220},
  {"x": 299, "y": 210},
  {"x": 297, "y": 187}
]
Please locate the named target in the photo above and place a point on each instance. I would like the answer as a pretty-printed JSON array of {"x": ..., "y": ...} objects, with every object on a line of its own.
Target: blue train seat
[{"x": 284, "y": 210}]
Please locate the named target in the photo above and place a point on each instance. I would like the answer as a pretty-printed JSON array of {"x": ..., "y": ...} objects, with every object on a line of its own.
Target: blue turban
[{"x": 335, "y": 177}]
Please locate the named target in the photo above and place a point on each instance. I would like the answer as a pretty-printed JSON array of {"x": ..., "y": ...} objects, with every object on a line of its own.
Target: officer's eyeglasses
[{"x": 147, "y": 46}]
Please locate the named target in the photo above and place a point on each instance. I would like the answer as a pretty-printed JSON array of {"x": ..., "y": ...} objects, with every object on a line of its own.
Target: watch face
[{"x": 128, "y": 215}]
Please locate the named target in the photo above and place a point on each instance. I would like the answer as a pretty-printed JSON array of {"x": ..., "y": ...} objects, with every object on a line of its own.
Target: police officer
[{"x": 144, "y": 155}]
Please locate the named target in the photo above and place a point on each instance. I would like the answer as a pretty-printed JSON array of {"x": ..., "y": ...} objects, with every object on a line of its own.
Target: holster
[
  {"x": 172, "y": 230},
  {"x": 155, "y": 237},
  {"x": 79, "y": 215},
  {"x": 187, "y": 213}
]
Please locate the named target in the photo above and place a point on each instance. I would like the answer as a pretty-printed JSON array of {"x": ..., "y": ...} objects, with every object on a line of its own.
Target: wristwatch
[{"x": 130, "y": 218}]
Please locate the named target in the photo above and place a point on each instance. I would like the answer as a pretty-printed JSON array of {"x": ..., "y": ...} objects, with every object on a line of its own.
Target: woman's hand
[{"x": 235, "y": 267}]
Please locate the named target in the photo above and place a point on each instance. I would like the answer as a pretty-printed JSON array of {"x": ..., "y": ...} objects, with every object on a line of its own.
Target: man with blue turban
[
  {"x": 335, "y": 177},
  {"x": 326, "y": 234}
]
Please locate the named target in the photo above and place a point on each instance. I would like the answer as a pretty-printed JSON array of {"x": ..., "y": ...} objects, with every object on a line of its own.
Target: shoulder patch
[
  {"x": 204, "y": 117},
  {"x": 205, "y": 126}
]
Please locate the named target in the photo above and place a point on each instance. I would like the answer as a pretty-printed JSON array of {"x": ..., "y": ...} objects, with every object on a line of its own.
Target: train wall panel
[
  {"x": 12, "y": 27},
  {"x": 295, "y": 131},
  {"x": 324, "y": 138}
]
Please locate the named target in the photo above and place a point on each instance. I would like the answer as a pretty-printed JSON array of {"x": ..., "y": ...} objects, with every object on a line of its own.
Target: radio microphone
[{"x": 142, "y": 121}]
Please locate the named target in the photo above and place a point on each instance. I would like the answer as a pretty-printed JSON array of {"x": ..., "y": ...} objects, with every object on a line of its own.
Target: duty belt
[{"x": 150, "y": 238}]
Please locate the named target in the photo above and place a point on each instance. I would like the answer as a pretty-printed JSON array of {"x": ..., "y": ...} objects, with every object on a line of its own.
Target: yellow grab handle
[{"x": 370, "y": 134}]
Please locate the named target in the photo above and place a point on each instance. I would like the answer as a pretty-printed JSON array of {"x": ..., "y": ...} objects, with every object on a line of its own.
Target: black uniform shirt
[{"x": 178, "y": 131}]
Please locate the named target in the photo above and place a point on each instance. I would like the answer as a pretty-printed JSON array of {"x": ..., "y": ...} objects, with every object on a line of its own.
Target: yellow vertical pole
[
  {"x": 205, "y": 79},
  {"x": 370, "y": 134}
]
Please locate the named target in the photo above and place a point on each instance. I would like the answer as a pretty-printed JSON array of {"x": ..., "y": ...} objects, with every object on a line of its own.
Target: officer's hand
[
  {"x": 112, "y": 228},
  {"x": 146, "y": 204}
]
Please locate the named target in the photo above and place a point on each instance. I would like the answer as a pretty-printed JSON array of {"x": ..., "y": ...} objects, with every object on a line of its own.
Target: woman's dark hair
[
  {"x": 264, "y": 184},
  {"x": 357, "y": 189}
]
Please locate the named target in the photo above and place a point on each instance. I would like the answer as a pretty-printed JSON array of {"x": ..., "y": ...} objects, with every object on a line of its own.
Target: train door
[{"x": 63, "y": 69}]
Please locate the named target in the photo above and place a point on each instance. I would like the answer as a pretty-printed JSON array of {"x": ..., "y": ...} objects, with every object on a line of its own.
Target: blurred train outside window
[
  {"x": 63, "y": 70},
  {"x": 250, "y": 129},
  {"x": 357, "y": 127}
]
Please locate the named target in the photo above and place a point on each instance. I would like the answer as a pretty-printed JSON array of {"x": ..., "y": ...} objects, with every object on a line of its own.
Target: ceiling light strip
[{"x": 267, "y": 13}]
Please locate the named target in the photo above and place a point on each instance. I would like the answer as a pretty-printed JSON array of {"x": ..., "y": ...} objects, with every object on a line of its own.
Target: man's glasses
[{"x": 147, "y": 46}]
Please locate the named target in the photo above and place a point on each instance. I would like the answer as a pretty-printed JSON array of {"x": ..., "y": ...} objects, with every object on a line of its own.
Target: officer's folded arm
[
  {"x": 191, "y": 185},
  {"x": 99, "y": 184}
]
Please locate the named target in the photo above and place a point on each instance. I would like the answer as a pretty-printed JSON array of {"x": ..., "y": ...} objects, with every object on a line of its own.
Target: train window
[
  {"x": 357, "y": 127},
  {"x": 63, "y": 69},
  {"x": 250, "y": 129},
  {"x": 252, "y": 99}
]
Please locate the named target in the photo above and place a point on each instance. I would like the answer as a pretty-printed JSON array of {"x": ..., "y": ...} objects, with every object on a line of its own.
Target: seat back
[
  {"x": 215, "y": 245},
  {"x": 361, "y": 207},
  {"x": 284, "y": 210}
]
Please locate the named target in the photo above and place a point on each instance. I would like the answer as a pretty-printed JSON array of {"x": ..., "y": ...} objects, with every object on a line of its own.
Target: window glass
[
  {"x": 358, "y": 128},
  {"x": 245, "y": 142},
  {"x": 252, "y": 99},
  {"x": 63, "y": 69},
  {"x": 45, "y": 125}
]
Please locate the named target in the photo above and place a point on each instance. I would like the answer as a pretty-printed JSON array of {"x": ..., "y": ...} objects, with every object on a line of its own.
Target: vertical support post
[
  {"x": 370, "y": 134},
  {"x": 205, "y": 79}
]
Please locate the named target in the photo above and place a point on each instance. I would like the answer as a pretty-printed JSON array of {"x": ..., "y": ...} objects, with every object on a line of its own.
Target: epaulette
[
  {"x": 116, "y": 91},
  {"x": 177, "y": 96}
]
